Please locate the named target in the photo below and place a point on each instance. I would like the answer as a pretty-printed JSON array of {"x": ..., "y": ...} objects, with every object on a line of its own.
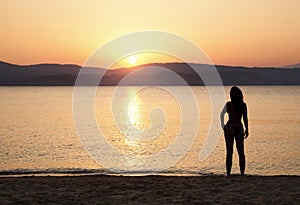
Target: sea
[{"x": 41, "y": 135}]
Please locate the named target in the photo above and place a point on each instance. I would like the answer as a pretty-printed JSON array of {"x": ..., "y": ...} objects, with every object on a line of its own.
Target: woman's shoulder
[
  {"x": 228, "y": 103},
  {"x": 245, "y": 106}
]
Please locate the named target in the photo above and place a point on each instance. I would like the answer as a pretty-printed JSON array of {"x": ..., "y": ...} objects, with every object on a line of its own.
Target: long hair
[{"x": 236, "y": 96}]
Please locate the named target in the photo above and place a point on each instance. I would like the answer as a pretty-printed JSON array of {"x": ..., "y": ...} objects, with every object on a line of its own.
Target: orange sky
[{"x": 248, "y": 32}]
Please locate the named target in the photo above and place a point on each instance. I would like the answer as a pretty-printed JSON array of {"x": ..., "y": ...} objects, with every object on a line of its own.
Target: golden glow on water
[
  {"x": 37, "y": 130},
  {"x": 135, "y": 107}
]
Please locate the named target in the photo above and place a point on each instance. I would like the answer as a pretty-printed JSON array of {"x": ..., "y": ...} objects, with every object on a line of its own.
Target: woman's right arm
[{"x": 245, "y": 118}]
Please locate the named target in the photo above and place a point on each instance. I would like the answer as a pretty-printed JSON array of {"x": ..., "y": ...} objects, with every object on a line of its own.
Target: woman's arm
[
  {"x": 223, "y": 112},
  {"x": 245, "y": 118}
]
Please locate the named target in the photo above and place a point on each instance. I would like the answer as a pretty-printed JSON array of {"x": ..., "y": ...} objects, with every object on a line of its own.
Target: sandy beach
[{"x": 150, "y": 190}]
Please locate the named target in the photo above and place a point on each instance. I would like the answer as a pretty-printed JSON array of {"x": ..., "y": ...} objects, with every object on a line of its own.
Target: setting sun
[
  {"x": 35, "y": 32},
  {"x": 132, "y": 60},
  {"x": 144, "y": 58}
]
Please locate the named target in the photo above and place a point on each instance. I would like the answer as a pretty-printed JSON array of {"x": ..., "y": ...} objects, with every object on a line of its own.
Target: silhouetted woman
[{"x": 236, "y": 109}]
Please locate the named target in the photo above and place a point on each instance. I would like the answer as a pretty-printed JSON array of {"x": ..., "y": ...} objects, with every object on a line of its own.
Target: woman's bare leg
[
  {"x": 240, "y": 148},
  {"x": 229, "y": 139}
]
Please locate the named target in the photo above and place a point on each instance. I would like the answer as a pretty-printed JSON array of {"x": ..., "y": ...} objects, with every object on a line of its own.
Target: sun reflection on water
[{"x": 135, "y": 110}]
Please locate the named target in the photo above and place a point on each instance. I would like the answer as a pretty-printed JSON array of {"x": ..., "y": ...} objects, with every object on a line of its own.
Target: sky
[{"x": 231, "y": 32}]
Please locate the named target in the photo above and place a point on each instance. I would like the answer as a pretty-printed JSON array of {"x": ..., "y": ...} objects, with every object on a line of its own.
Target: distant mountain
[
  {"x": 149, "y": 74},
  {"x": 41, "y": 74},
  {"x": 291, "y": 66}
]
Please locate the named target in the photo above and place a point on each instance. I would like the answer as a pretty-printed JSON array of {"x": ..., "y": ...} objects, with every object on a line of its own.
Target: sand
[{"x": 151, "y": 190}]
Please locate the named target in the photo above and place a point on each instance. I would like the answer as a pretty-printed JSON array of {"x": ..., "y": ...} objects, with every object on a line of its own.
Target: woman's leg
[
  {"x": 240, "y": 148},
  {"x": 229, "y": 139}
]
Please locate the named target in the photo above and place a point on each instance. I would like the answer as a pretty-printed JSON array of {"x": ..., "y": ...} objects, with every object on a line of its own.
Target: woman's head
[{"x": 236, "y": 96}]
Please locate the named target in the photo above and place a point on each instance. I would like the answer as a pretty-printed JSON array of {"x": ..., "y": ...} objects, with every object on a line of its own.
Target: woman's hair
[{"x": 236, "y": 96}]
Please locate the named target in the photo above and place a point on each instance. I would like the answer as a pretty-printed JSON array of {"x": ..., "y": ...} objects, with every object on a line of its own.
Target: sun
[{"x": 132, "y": 60}]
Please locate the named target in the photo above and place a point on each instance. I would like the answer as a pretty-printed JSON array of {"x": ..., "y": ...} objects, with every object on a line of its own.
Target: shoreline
[
  {"x": 95, "y": 174},
  {"x": 152, "y": 189}
]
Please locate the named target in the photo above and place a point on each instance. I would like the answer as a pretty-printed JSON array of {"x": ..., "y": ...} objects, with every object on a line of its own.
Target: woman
[{"x": 236, "y": 109}]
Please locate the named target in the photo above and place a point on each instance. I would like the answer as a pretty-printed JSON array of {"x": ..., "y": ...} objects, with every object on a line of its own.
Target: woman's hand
[{"x": 246, "y": 134}]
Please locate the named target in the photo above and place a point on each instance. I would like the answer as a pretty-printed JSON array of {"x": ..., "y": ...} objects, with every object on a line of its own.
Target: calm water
[{"x": 37, "y": 133}]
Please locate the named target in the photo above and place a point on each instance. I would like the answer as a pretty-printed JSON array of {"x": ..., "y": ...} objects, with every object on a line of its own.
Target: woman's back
[{"x": 235, "y": 113}]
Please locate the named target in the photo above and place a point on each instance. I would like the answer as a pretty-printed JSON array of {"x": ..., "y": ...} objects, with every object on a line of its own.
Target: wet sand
[{"x": 151, "y": 190}]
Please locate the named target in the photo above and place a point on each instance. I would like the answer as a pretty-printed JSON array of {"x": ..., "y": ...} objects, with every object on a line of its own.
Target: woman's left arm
[{"x": 222, "y": 114}]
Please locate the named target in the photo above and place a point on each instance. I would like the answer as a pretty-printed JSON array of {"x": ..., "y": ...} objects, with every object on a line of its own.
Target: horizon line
[{"x": 74, "y": 64}]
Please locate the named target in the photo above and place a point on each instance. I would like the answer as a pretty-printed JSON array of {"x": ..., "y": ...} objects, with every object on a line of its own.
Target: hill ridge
[{"x": 47, "y": 74}]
